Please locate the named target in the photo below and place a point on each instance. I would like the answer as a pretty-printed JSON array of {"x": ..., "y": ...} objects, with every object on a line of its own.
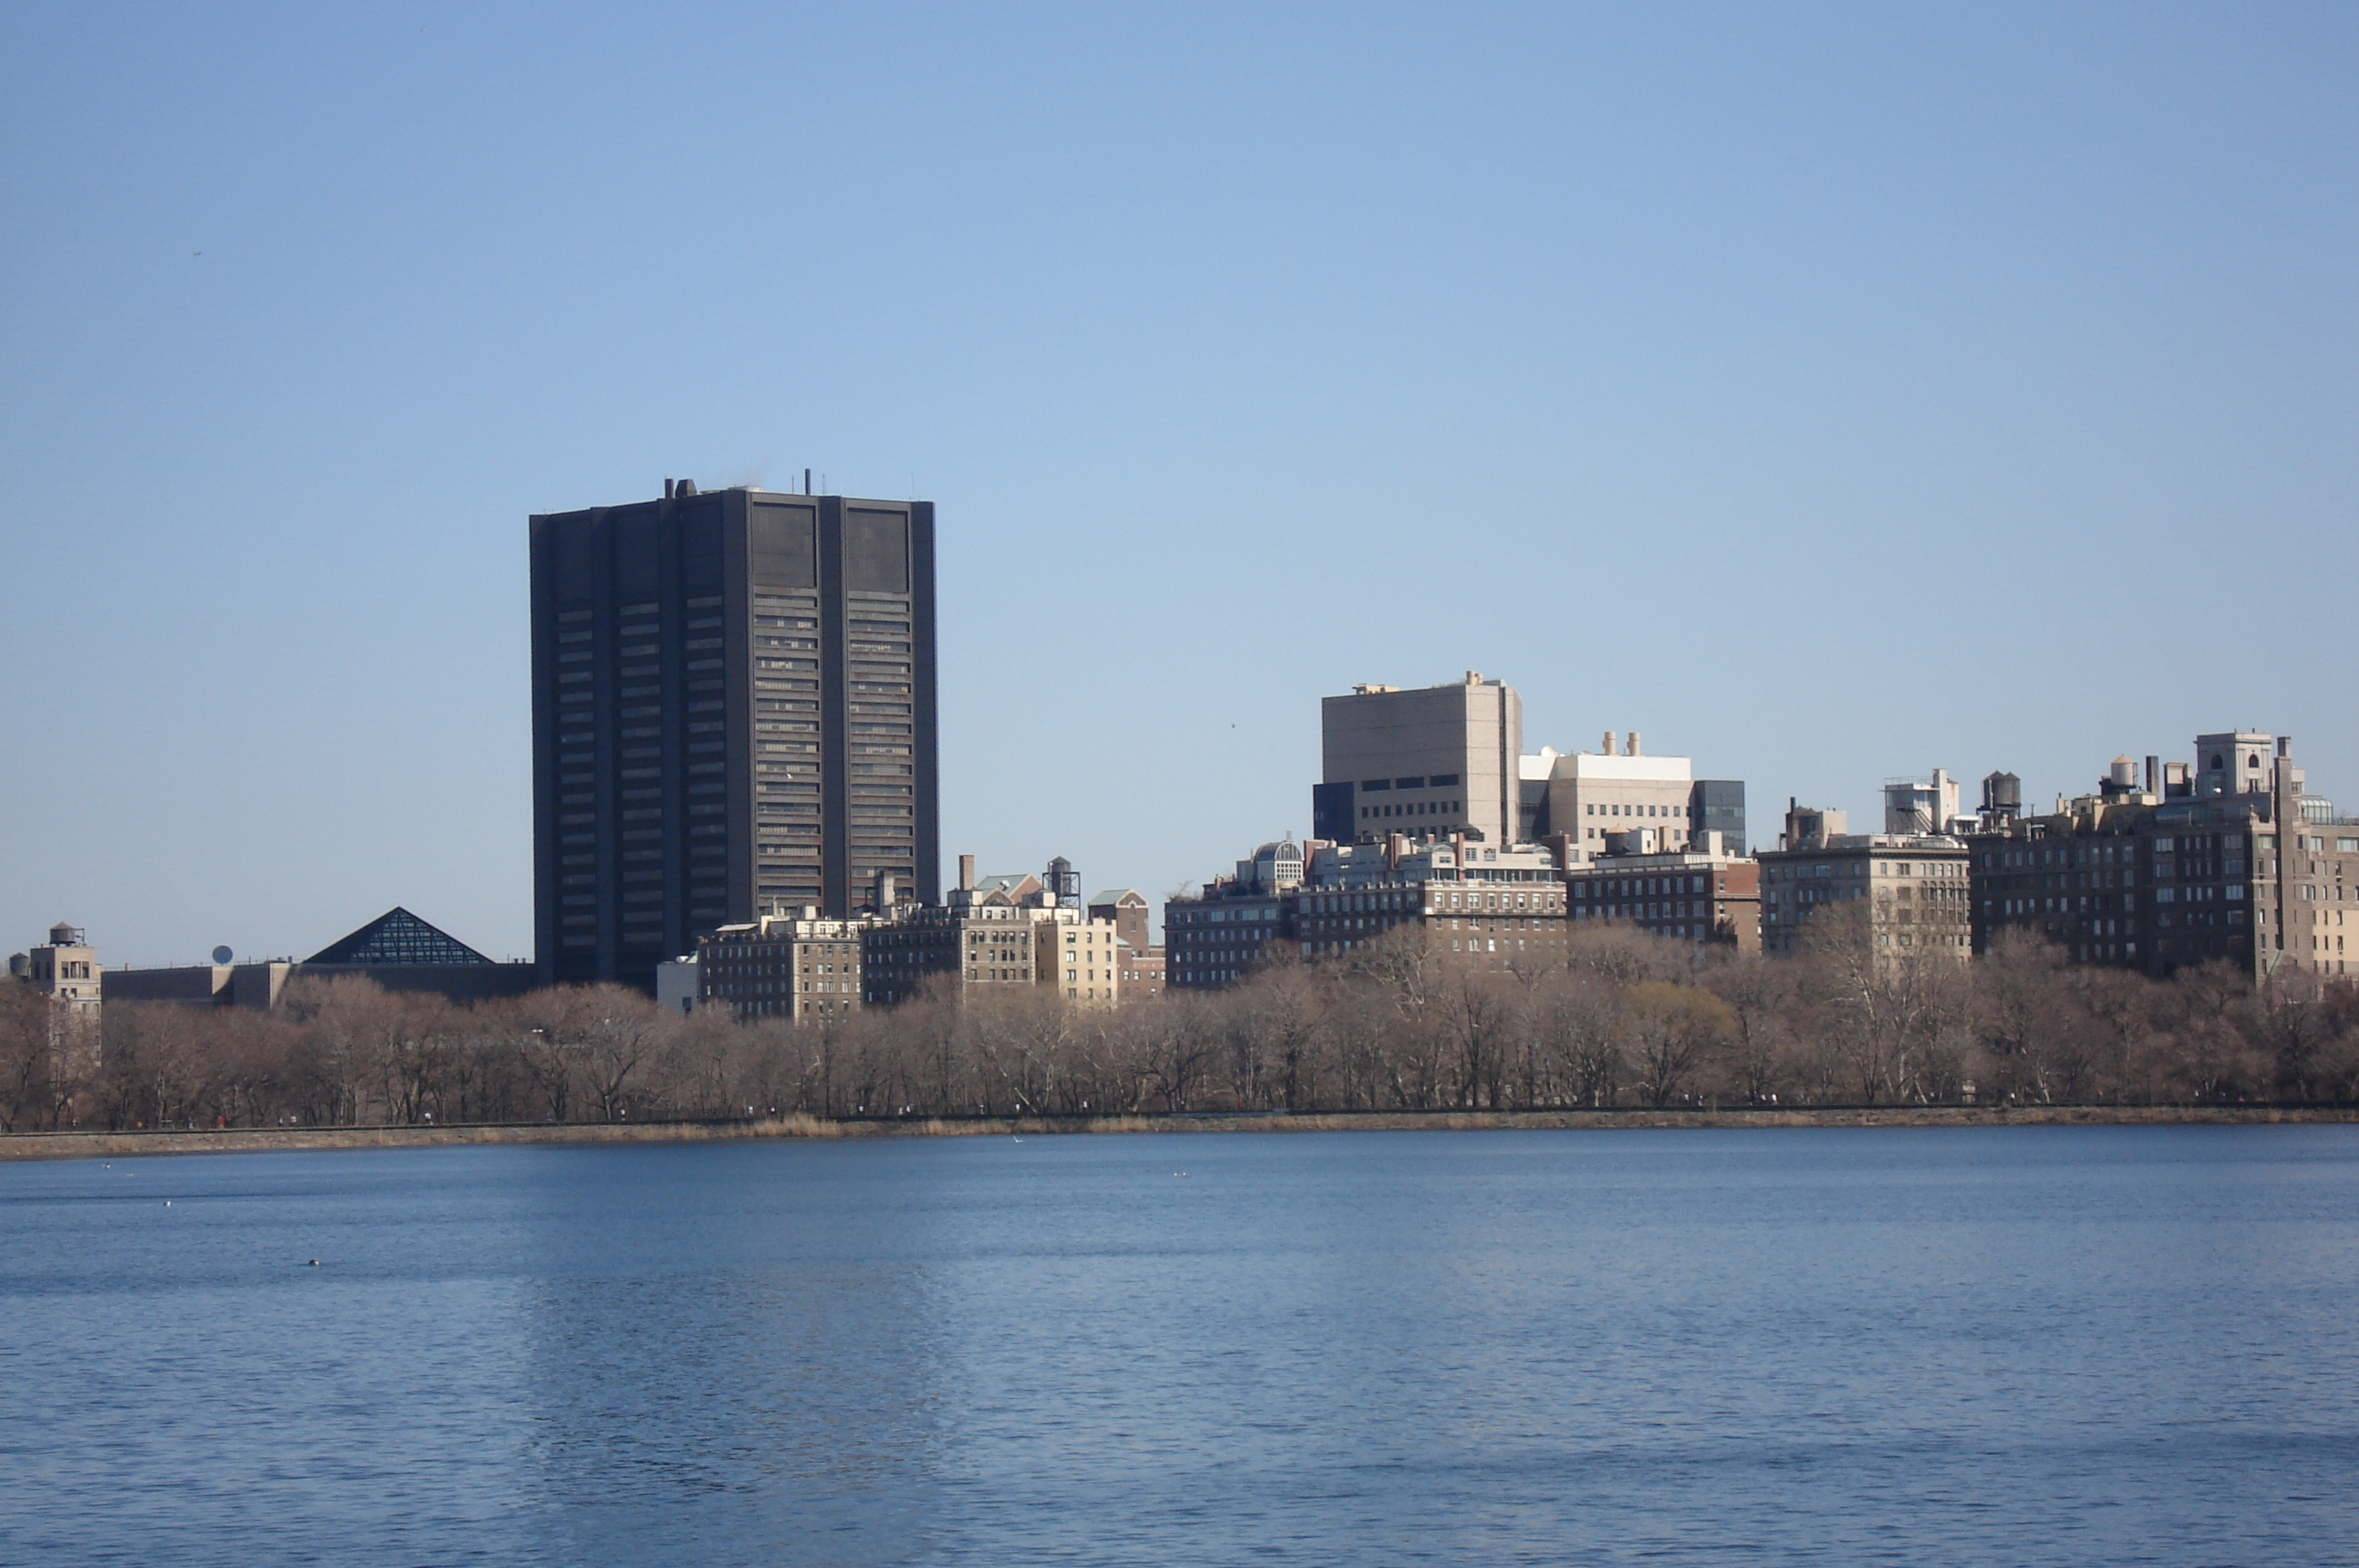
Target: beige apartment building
[
  {"x": 1142, "y": 960},
  {"x": 1079, "y": 956},
  {"x": 999, "y": 933}
]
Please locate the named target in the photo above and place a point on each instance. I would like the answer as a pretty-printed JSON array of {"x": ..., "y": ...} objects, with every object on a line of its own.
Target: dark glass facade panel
[
  {"x": 397, "y": 937},
  {"x": 701, "y": 666},
  {"x": 1717, "y": 805}
]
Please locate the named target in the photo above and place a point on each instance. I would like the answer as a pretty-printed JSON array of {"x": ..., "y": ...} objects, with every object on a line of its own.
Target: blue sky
[{"x": 1829, "y": 392}]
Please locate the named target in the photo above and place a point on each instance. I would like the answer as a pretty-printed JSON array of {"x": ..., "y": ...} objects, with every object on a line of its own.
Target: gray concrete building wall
[
  {"x": 261, "y": 985},
  {"x": 1430, "y": 761}
]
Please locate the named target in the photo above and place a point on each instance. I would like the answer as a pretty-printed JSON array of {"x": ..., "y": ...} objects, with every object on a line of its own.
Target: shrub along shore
[{"x": 249, "y": 1140}]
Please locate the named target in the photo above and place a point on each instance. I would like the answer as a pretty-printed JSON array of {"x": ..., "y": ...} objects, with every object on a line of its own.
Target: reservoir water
[{"x": 2036, "y": 1346}]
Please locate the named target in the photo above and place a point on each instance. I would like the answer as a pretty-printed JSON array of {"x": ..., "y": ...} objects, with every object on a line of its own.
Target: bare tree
[
  {"x": 1668, "y": 1031},
  {"x": 1763, "y": 1000},
  {"x": 27, "y": 1081},
  {"x": 1576, "y": 1023},
  {"x": 1477, "y": 1011}
]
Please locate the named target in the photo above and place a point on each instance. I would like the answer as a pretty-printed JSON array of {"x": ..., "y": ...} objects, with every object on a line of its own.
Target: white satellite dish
[{"x": 222, "y": 956}]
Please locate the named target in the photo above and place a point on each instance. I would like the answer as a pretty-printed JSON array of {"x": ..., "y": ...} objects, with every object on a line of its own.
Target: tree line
[{"x": 1620, "y": 1020}]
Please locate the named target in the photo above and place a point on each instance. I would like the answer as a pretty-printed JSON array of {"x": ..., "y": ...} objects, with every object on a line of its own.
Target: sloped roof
[
  {"x": 398, "y": 936},
  {"x": 1114, "y": 896}
]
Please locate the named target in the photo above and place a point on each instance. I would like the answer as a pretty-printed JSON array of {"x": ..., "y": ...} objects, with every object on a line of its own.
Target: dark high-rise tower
[{"x": 732, "y": 699}]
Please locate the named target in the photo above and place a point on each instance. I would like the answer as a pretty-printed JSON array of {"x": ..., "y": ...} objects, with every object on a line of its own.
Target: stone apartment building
[
  {"x": 1501, "y": 907},
  {"x": 1216, "y": 937},
  {"x": 1915, "y": 888},
  {"x": 800, "y": 967},
  {"x": 2228, "y": 858},
  {"x": 1142, "y": 961},
  {"x": 1498, "y": 905},
  {"x": 1079, "y": 957},
  {"x": 66, "y": 970},
  {"x": 1704, "y": 895},
  {"x": 997, "y": 933}
]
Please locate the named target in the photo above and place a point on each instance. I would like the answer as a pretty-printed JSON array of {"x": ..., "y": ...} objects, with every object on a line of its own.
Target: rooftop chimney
[
  {"x": 1635, "y": 750},
  {"x": 1609, "y": 739},
  {"x": 966, "y": 872}
]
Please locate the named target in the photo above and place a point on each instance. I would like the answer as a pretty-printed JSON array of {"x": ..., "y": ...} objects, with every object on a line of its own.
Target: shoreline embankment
[{"x": 85, "y": 1145}]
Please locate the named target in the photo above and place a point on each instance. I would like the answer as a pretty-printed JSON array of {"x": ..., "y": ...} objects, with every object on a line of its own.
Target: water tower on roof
[{"x": 2002, "y": 797}]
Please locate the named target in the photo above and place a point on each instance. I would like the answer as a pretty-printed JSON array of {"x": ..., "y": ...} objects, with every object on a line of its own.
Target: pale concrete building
[
  {"x": 1809, "y": 825},
  {"x": 2233, "y": 762},
  {"x": 65, "y": 968},
  {"x": 678, "y": 983},
  {"x": 1923, "y": 806},
  {"x": 1593, "y": 795},
  {"x": 1429, "y": 762}
]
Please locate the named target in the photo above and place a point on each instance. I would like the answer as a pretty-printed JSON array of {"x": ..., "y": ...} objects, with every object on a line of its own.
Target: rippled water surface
[{"x": 2011, "y": 1346}]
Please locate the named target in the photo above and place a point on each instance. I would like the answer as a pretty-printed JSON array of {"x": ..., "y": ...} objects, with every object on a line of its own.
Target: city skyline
[{"x": 1831, "y": 395}]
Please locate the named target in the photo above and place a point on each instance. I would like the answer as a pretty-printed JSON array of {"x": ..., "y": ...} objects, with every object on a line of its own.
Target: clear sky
[{"x": 1829, "y": 392}]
